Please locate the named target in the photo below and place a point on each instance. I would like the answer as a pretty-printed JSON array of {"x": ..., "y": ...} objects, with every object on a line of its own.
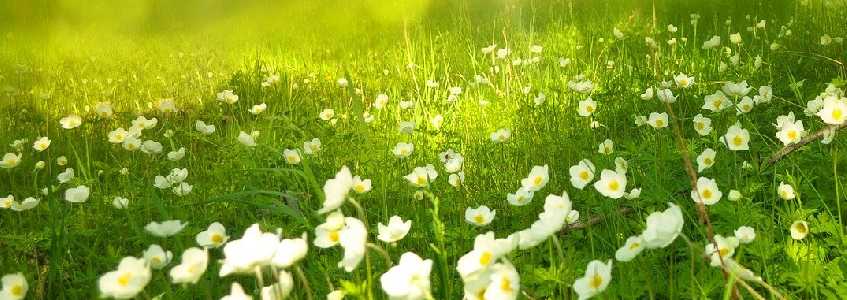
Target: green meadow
[{"x": 559, "y": 149}]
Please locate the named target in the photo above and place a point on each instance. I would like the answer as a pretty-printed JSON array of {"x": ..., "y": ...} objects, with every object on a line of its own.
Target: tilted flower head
[
  {"x": 658, "y": 120},
  {"x": 312, "y": 147},
  {"x": 202, "y": 127},
  {"x": 258, "y": 108},
  {"x": 834, "y": 111},
  {"x": 587, "y": 107},
  {"x": 582, "y": 173},
  {"x": 501, "y": 135},
  {"x": 706, "y": 159},
  {"x": 683, "y": 81},
  {"x": 361, "y": 186},
  {"x": 596, "y": 279},
  {"x": 606, "y": 147},
  {"x": 166, "y": 228},
  {"x": 193, "y": 265},
  {"x": 737, "y": 138},
  {"x": 228, "y": 97},
  {"x": 724, "y": 250},
  {"x": 127, "y": 281},
  {"x": 328, "y": 234},
  {"x": 702, "y": 125},
  {"x": 611, "y": 184},
  {"x": 41, "y": 144},
  {"x": 736, "y": 89},
  {"x": 353, "y": 238},
  {"x": 707, "y": 191},
  {"x": 716, "y": 102},
  {"x": 10, "y": 160},
  {"x": 633, "y": 246},
  {"x": 246, "y": 139},
  {"x": 281, "y": 289},
  {"x": 290, "y": 251},
  {"x": 156, "y": 257},
  {"x": 745, "y": 234},
  {"x": 666, "y": 95},
  {"x": 254, "y": 249},
  {"x": 786, "y": 191},
  {"x": 292, "y": 156},
  {"x": 15, "y": 287},
  {"x": 408, "y": 280},
  {"x": 799, "y": 230},
  {"x": 537, "y": 178},
  {"x": 213, "y": 237},
  {"x": 480, "y": 216},
  {"x": 712, "y": 43},
  {"x": 403, "y": 150},
  {"x": 77, "y": 194},
  {"x": 422, "y": 176},
  {"x": 504, "y": 283},
  {"x": 487, "y": 250},
  {"x": 70, "y": 122},
  {"x": 663, "y": 227},
  {"x": 336, "y": 190},
  {"x": 521, "y": 197},
  {"x": 648, "y": 94},
  {"x": 395, "y": 230}
]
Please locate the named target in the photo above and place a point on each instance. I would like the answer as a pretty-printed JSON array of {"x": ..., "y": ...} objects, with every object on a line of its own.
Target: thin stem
[
  {"x": 377, "y": 248},
  {"x": 300, "y": 275}
]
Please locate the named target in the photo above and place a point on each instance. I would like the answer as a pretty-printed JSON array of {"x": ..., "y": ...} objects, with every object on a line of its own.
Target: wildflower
[
  {"x": 663, "y": 227},
  {"x": 706, "y": 159},
  {"x": 409, "y": 279},
  {"x": 422, "y": 176},
  {"x": 353, "y": 238},
  {"x": 683, "y": 81},
  {"x": 290, "y": 251},
  {"x": 237, "y": 293},
  {"x": 281, "y": 289},
  {"x": 582, "y": 173},
  {"x": 213, "y": 237},
  {"x": 193, "y": 265},
  {"x": 70, "y": 122},
  {"x": 737, "y": 138},
  {"x": 254, "y": 249},
  {"x": 176, "y": 155},
  {"x": 537, "y": 178},
  {"x": 611, "y": 184},
  {"x": 327, "y": 114},
  {"x": 520, "y": 198},
  {"x": 248, "y": 140},
  {"x": 104, "y": 109},
  {"x": 120, "y": 202},
  {"x": 10, "y": 160},
  {"x": 790, "y": 132},
  {"x": 165, "y": 229},
  {"x": 292, "y": 156},
  {"x": 834, "y": 111},
  {"x": 606, "y": 147},
  {"x": 648, "y": 94},
  {"x": 403, "y": 150},
  {"x": 735, "y": 38},
  {"x": 41, "y": 144},
  {"x": 336, "y": 189},
  {"x": 716, "y": 102},
  {"x": 504, "y": 283},
  {"x": 479, "y": 216},
  {"x": 127, "y": 281},
  {"x": 77, "y": 194},
  {"x": 745, "y": 234},
  {"x": 15, "y": 287},
  {"x": 631, "y": 248},
  {"x": 658, "y": 120},
  {"x": 736, "y": 89},
  {"x": 395, "y": 230},
  {"x": 734, "y": 195},
  {"x": 203, "y": 128},
  {"x": 724, "y": 250},
  {"x": 258, "y": 108},
  {"x": 745, "y": 105},
  {"x": 712, "y": 43},
  {"x": 587, "y": 107},
  {"x": 596, "y": 279},
  {"x": 312, "y": 147},
  {"x": 157, "y": 257},
  {"x": 786, "y": 191},
  {"x": 707, "y": 191},
  {"x": 501, "y": 135},
  {"x": 799, "y": 230},
  {"x": 228, "y": 97},
  {"x": 151, "y": 147},
  {"x": 665, "y": 95}
]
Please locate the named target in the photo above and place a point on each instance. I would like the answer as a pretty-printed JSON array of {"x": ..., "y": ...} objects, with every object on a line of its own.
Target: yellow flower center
[
  {"x": 506, "y": 285},
  {"x": 421, "y": 180},
  {"x": 217, "y": 238},
  {"x": 17, "y": 290},
  {"x": 660, "y": 123},
  {"x": 723, "y": 252},
  {"x": 707, "y": 193},
  {"x": 537, "y": 180},
  {"x": 801, "y": 228},
  {"x": 737, "y": 140},
  {"x": 716, "y": 103},
  {"x": 333, "y": 236},
  {"x": 479, "y": 219},
  {"x": 837, "y": 114},
  {"x": 792, "y": 134},
  {"x": 485, "y": 258},
  {"x": 359, "y": 188},
  {"x": 614, "y": 185},
  {"x": 708, "y": 161},
  {"x": 596, "y": 281},
  {"x": 589, "y": 108},
  {"x": 699, "y": 125},
  {"x": 123, "y": 280},
  {"x": 634, "y": 246},
  {"x": 584, "y": 175}
]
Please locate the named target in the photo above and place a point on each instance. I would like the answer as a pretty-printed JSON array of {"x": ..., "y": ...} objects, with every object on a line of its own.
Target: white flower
[
  {"x": 15, "y": 287},
  {"x": 237, "y": 293},
  {"x": 213, "y": 237},
  {"x": 706, "y": 159},
  {"x": 786, "y": 191},
  {"x": 41, "y": 144},
  {"x": 790, "y": 132},
  {"x": 312, "y": 147},
  {"x": 456, "y": 179},
  {"x": 582, "y": 173},
  {"x": 504, "y": 283},
  {"x": 408, "y": 280},
  {"x": 663, "y": 227},
  {"x": 716, "y": 102},
  {"x": 281, "y": 289},
  {"x": 648, "y": 94},
  {"x": 707, "y": 191},
  {"x": 501, "y": 135},
  {"x": 403, "y": 150},
  {"x": 587, "y": 107},
  {"x": 422, "y": 176},
  {"x": 658, "y": 120},
  {"x": 10, "y": 160},
  {"x": 395, "y": 230},
  {"x": 157, "y": 257},
  {"x": 165, "y": 229},
  {"x": 127, "y": 281},
  {"x": 479, "y": 216},
  {"x": 292, "y": 156},
  {"x": 834, "y": 111},
  {"x": 176, "y": 155},
  {"x": 328, "y": 234},
  {"x": 487, "y": 250},
  {"x": 683, "y": 81},
  {"x": 666, "y": 95},
  {"x": 765, "y": 95},
  {"x": 27, "y": 204},
  {"x": 103, "y": 109},
  {"x": 151, "y": 147},
  {"x": 202, "y": 127},
  {"x": 77, "y": 194},
  {"x": 799, "y": 230},
  {"x": 745, "y": 105},
  {"x": 142, "y": 123},
  {"x": 596, "y": 279},
  {"x": 327, "y": 114},
  {"x": 734, "y": 195},
  {"x": 131, "y": 143},
  {"x": 745, "y": 234},
  {"x": 120, "y": 202},
  {"x": 537, "y": 178},
  {"x": 611, "y": 184},
  {"x": 735, "y": 38},
  {"x": 736, "y": 89},
  {"x": 606, "y": 147},
  {"x": 520, "y": 198},
  {"x": 737, "y": 138},
  {"x": 724, "y": 250},
  {"x": 246, "y": 139},
  {"x": 336, "y": 189},
  {"x": 228, "y": 97},
  {"x": 712, "y": 43},
  {"x": 633, "y": 194},
  {"x": 361, "y": 186},
  {"x": 70, "y": 122},
  {"x": 290, "y": 251},
  {"x": 334, "y": 295},
  {"x": 617, "y": 33},
  {"x": 254, "y": 249},
  {"x": 353, "y": 238},
  {"x": 66, "y": 175},
  {"x": 193, "y": 265},
  {"x": 633, "y": 246},
  {"x": 258, "y": 108}
]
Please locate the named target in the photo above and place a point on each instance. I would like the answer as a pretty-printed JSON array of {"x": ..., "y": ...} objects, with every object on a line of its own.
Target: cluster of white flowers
[{"x": 175, "y": 181}]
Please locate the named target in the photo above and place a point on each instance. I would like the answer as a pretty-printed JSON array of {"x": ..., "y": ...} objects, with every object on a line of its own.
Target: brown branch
[{"x": 778, "y": 155}]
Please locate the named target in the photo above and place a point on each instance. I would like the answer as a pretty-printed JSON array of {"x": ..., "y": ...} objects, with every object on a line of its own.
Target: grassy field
[{"x": 487, "y": 92}]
